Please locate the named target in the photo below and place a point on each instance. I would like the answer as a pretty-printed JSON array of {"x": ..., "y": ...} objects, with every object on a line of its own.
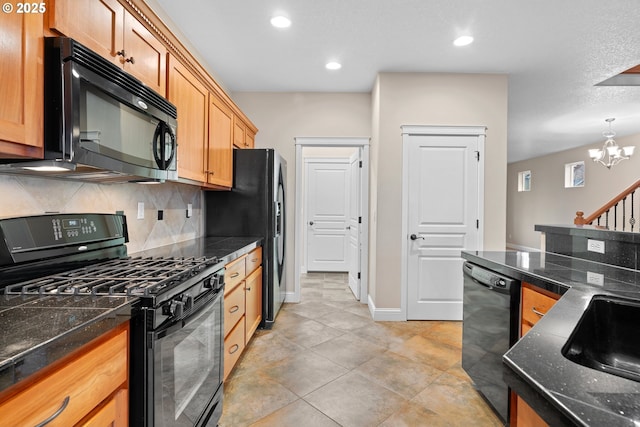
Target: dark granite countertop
[
  {"x": 36, "y": 331},
  {"x": 562, "y": 391},
  {"x": 224, "y": 248}
]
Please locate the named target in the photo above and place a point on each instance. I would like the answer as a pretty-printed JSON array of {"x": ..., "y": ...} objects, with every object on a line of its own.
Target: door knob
[
  {"x": 310, "y": 222},
  {"x": 414, "y": 237}
]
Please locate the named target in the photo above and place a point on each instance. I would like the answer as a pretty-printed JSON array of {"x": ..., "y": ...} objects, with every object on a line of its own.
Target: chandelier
[{"x": 610, "y": 154}]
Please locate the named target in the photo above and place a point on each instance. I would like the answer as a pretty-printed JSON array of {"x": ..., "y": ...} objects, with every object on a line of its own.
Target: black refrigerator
[{"x": 255, "y": 207}]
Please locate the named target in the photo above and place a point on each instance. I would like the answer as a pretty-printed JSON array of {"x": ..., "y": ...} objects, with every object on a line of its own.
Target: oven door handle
[{"x": 177, "y": 324}]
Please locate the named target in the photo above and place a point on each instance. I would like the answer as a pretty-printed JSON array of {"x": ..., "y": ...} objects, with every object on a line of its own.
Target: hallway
[{"x": 326, "y": 363}]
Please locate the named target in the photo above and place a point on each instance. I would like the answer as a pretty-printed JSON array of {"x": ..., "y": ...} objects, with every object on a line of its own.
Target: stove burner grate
[{"x": 119, "y": 277}]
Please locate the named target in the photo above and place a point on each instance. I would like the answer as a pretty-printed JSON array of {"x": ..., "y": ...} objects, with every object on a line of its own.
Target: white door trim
[
  {"x": 480, "y": 131},
  {"x": 363, "y": 144}
]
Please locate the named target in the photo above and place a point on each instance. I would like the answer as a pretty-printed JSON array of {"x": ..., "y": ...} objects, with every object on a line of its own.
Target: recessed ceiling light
[
  {"x": 463, "y": 41},
  {"x": 333, "y": 65},
  {"x": 281, "y": 21}
]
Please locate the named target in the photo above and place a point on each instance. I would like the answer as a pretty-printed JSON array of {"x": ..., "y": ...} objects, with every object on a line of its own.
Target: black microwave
[{"x": 102, "y": 123}]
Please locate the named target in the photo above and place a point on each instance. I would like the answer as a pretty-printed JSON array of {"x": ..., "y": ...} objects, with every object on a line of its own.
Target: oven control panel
[{"x": 37, "y": 233}]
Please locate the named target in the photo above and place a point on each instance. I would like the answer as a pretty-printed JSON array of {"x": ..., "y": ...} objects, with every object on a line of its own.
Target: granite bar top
[
  {"x": 561, "y": 391},
  {"x": 36, "y": 331}
]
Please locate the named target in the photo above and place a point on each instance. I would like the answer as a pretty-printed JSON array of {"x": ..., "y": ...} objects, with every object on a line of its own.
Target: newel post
[{"x": 579, "y": 220}]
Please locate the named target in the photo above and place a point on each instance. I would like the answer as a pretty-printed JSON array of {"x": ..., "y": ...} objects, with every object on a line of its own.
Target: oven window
[{"x": 188, "y": 368}]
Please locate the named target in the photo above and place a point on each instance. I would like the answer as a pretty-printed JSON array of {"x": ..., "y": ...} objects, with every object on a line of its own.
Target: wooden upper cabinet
[
  {"x": 220, "y": 148},
  {"x": 105, "y": 27},
  {"x": 191, "y": 98},
  {"x": 145, "y": 56},
  {"x": 249, "y": 138},
  {"x": 21, "y": 85},
  {"x": 238, "y": 133}
]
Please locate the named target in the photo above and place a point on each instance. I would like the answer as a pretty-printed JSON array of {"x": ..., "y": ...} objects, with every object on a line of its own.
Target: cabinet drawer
[
  {"x": 254, "y": 259},
  {"x": 233, "y": 346},
  {"x": 534, "y": 306},
  {"x": 83, "y": 383},
  {"x": 234, "y": 274},
  {"x": 234, "y": 307}
]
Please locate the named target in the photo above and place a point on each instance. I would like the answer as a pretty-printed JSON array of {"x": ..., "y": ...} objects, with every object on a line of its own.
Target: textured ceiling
[{"x": 553, "y": 51}]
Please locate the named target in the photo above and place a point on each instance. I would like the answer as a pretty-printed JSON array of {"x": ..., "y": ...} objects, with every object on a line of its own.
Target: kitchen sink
[{"x": 606, "y": 337}]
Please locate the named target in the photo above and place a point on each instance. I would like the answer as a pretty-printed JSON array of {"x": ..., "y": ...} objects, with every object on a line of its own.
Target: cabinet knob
[
  {"x": 121, "y": 53},
  {"x": 131, "y": 60}
]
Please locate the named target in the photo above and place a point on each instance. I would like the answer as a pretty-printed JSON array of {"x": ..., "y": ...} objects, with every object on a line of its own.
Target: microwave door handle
[{"x": 157, "y": 146}]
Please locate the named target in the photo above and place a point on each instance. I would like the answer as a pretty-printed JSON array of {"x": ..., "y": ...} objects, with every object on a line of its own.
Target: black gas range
[{"x": 176, "y": 326}]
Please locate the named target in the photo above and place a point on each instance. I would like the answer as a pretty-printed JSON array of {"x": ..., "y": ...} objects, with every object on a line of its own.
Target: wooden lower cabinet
[
  {"x": 535, "y": 302},
  {"x": 253, "y": 310},
  {"x": 242, "y": 305},
  {"x": 526, "y": 416},
  {"x": 89, "y": 387}
]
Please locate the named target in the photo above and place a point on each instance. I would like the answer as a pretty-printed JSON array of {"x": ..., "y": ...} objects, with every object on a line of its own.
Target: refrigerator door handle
[{"x": 277, "y": 222}]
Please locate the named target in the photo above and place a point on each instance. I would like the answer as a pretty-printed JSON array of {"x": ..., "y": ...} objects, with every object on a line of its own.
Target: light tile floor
[{"x": 327, "y": 363}]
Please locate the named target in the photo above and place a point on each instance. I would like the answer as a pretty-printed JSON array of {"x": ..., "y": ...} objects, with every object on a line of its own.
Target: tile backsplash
[{"x": 23, "y": 196}]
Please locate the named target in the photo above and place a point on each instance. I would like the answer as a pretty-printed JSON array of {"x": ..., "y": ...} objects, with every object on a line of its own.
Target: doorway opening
[{"x": 331, "y": 211}]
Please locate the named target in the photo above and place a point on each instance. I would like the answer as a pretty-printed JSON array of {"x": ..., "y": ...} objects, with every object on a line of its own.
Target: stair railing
[{"x": 621, "y": 209}]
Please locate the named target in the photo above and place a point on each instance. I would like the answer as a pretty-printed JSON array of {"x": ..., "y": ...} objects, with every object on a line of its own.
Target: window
[
  {"x": 574, "y": 175},
  {"x": 524, "y": 181}
]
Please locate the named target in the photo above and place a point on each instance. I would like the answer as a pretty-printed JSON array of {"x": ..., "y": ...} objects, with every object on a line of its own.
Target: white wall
[
  {"x": 431, "y": 99},
  {"x": 549, "y": 202},
  {"x": 281, "y": 117}
]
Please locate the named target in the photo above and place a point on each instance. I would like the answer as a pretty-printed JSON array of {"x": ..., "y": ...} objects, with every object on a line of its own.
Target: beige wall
[
  {"x": 431, "y": 99},
  {"x": 397, "y": 99},
  {"x": 549, "y": 202},
  {"x": 281, "y": 117},
  {"x": 23, "y": 196}
]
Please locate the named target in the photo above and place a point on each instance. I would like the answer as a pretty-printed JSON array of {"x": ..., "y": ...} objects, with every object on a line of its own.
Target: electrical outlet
[
  {"x": 140, "y": 210},
  {"x": 189, "y": 210},
  {"x": 160, "y": 214},
  {"x": 595, "y": 246},
  {"x": 596, "y": 279}
]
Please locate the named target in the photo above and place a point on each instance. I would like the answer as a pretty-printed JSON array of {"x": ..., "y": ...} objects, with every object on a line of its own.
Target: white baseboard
[
  {"x": 386, "y": 314},
  {"x": 291, "y": 297}
]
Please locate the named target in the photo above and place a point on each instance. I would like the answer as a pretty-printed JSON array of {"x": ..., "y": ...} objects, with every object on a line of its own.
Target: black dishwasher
[{"x": 489, "y": 329}]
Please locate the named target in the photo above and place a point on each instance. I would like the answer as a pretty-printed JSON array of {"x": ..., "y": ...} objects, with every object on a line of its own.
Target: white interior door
[
  {"x": 442, "y": 220},
  {"x": 327, "y": 214},
  {"x": 353, "y": 229}
]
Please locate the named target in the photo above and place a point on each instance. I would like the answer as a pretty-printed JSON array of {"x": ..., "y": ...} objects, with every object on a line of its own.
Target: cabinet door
[
  {"x": 526, "y": 416},
  {"x": 249, "y": 138},
  {"x": 191, "y": 98},
  {"x": 535, "y": 304},
  {"x": 238, "y": 133},
  {"x": 145, "y": 56},
  {"x": 220, "y": 149},
  {"x": 97, "y": 24},
  {"x": 253, "y": 298},
  {"x": 21, "y": 85}
]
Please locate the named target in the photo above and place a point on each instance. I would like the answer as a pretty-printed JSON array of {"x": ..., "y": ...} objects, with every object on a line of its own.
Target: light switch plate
[
  {"x": 140, "y": 210},
  {"x": 595, "y": 246}
]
